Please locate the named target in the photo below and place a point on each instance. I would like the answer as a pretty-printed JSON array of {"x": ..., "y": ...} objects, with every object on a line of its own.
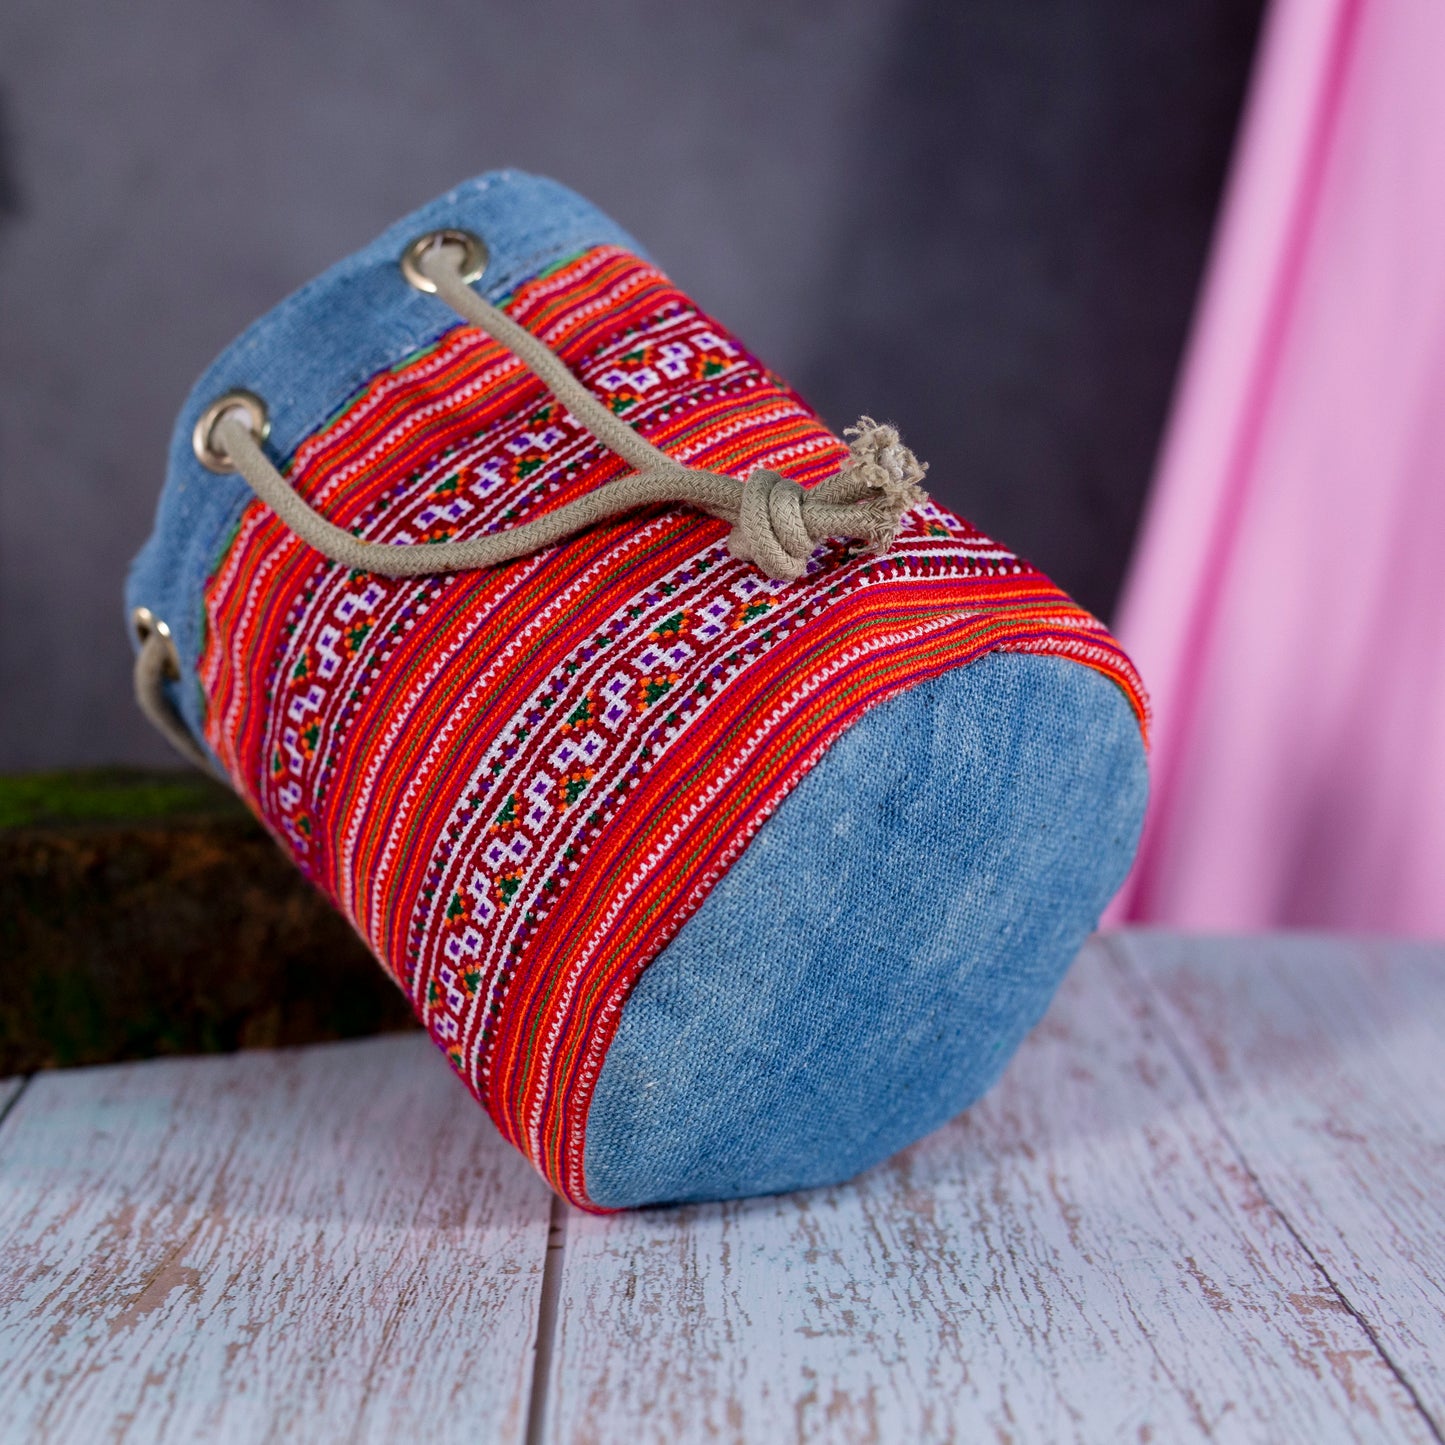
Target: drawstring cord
[
  {"x": 776, "y": 524},
  {"x": 157, "y": 663}
]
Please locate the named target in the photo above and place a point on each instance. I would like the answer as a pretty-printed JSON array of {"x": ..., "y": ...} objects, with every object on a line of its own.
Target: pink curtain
[{"x": 1287, "y": 601}]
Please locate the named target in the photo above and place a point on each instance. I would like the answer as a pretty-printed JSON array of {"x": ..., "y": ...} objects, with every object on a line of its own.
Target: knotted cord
[{"x": 776, "y": 524}]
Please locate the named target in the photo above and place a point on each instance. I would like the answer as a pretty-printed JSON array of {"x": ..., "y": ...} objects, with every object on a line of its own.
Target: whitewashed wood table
[{"x": 1206, "y": 1202}]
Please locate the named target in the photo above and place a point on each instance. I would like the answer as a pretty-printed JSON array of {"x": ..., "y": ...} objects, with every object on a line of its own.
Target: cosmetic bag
[{"x": 728, "y": 809}]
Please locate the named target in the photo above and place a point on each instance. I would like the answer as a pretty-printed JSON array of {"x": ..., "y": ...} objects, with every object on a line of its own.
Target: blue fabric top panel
[{"x": 310, "y": 354}]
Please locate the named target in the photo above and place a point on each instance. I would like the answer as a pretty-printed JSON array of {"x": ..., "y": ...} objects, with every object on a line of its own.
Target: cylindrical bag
[{"x": 728, "y": 809}]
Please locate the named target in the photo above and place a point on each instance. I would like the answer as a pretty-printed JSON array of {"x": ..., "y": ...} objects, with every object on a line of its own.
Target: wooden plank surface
[
  {"x": 1202, "y": 1204},
  {"x": 323, "y": 1244},
  {"x": 1080, "y": 1257},
  {"x": 1324, "y": 1059}
]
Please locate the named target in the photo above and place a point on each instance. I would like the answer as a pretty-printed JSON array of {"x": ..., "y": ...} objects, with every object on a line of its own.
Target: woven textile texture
[{"x": 519, "y": 783}]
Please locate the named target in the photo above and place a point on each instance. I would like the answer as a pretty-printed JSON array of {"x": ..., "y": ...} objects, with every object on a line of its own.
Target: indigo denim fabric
[
  {"x": 868, "y": 966},
  {"x": 308, "y": 356}
]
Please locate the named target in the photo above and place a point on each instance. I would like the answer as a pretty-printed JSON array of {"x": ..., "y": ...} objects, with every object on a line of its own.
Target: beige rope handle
[{"x": 776, "y": 523}]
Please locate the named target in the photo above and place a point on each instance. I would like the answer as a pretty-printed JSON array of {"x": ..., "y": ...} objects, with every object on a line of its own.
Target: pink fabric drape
[{"x": 1287, "y": 600}]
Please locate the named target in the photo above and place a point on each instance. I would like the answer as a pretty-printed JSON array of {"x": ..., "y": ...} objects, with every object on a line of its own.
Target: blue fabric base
[{"x": 868, "y": 966}]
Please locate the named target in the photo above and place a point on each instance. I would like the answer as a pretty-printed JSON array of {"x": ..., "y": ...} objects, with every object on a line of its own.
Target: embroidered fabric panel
[{"x": 519, "y": 783}]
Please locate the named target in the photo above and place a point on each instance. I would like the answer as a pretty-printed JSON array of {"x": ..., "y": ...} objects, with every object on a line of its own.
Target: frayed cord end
[{"x": 878, "y": 458}]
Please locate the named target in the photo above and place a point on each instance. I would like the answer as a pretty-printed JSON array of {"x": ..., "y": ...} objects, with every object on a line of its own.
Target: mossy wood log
[{"x": 147, "y": 913}]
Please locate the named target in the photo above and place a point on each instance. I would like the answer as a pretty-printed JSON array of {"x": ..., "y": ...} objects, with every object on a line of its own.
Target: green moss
[{"x": 109, "y": 795}]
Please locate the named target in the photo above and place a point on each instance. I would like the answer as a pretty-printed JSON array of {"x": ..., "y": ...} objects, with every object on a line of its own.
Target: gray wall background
[{"x": 985, "y": 221}]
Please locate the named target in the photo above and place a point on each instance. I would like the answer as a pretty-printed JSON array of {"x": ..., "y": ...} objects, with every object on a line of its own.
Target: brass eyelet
[
  {"x": 473, "y": 259},
  {"x": 207, "y": 452},
  {"x": 148, "y": 625}
]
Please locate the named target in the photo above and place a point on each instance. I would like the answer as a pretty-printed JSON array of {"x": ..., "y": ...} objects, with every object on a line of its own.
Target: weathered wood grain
[
  {"x": 1081, "y": 1257},
  {"x": 329, "y": 1244},
  {"x": 1324, "y": 1059},
  {"x": 8, "y": 1090}
]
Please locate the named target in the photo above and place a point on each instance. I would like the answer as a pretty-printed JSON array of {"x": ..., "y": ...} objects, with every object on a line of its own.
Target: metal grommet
[
  {"x": 474, "y": 257},
  {"x": 148, "y": 625},
  {"x": 145, "y": 622},
  {"x": 207, "y": 453}
]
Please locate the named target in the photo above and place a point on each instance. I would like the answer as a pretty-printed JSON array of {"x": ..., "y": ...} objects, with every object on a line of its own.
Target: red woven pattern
[{"x": 518, "y": 783}]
